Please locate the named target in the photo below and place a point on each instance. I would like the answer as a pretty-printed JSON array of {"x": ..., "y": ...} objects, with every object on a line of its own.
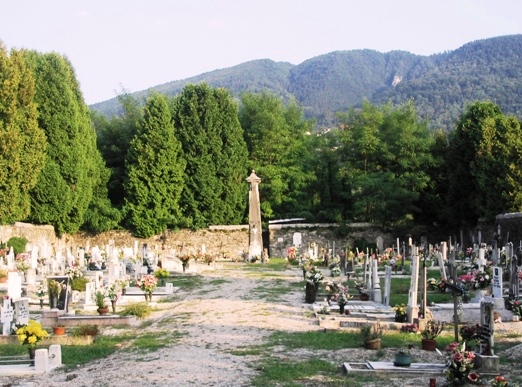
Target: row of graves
[
  {"x": 491, "y": 283},
  {"x": 30, "y": 290}
]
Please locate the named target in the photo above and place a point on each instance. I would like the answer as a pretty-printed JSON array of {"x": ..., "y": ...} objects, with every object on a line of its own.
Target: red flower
[
  {"x": 451, "y": 347},
  {"x": 457, "y": 357},
  {"x": 473, "y": 377}
]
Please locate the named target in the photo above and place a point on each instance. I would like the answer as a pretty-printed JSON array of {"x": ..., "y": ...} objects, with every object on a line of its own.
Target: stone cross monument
[{"x": 255, "y": 238}]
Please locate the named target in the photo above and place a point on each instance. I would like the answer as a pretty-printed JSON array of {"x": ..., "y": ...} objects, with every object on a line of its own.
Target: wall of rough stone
[{"x": 324, "y": 235}]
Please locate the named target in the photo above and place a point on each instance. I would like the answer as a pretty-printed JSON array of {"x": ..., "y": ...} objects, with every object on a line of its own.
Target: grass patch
[
  {"x": 186, "y": 282},
  {"x": 282, "y": 373},
  {"x": 316, "y": 340}
]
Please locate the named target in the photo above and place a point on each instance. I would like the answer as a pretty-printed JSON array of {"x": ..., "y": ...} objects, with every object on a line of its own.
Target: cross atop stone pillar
[{"x": 255, "y": 239}]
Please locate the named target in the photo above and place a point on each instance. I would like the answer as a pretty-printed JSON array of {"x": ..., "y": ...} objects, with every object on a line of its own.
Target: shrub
[
  {"x": 79, "y": 284},
  {"x": 18, "y": 244},
  {"x": 85, "y": 330},
  {"x": 138, "y": 309}
]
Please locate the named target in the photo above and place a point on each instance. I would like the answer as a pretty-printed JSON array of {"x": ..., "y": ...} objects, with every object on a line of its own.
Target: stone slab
[{"x": 434, "y": 369}]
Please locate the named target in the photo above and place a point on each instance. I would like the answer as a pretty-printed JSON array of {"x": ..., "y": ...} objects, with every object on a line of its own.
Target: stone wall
[{"x": 281, "y": 236}]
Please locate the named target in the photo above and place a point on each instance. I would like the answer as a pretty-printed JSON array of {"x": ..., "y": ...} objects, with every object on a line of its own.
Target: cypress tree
[
  {"x": 155, "y": 166},
  {"x": 22, "y": 142}
]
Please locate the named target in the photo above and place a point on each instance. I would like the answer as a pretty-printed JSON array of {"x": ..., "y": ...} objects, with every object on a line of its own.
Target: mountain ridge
[{"x": 440, "y": 84}]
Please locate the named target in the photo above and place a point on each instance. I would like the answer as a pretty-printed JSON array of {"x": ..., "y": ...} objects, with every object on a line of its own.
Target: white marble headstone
[
  {"x": 497, "y": 282},
  {"x": 22, "y": 311},
  {"x": 14, "y": 285},
  {"x": 6, "y": 317}
]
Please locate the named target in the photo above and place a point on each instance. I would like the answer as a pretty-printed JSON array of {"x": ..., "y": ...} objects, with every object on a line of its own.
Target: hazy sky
[{"x": 133, "y": 44}]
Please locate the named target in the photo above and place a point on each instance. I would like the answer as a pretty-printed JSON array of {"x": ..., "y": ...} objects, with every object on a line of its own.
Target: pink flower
[
  {"x": 473, "y": 377},
  {"x": 451, "y": 347},
  {"x": 457, "y": 357}
]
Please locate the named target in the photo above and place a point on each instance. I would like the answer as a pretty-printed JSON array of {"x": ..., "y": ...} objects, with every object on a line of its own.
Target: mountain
[{"x": 441, "y": 85}]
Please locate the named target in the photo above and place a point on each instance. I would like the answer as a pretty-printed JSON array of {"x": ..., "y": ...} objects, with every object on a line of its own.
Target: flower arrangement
[
  {"x": 371, "y": 332},
  {"x": 400, "y": 310},
  {"x": 55, "y": 288},
  {"x": 335, "y": 272},
  {"x": 292, "y": 251},
  {"x": 147, "y": 283},
  {"x": 332, "y": 287},
  {"x": 433, "y": 330},
  {"x": 31, "y": 333},
  {"x": 73, "y": 272},
  {"x": 477, "y": 279},
  {"x": 99, "y": 299},
  {"x": 208, "y": 258},
  {"x": 460, "y": 365},
  {"x": 499, "y": 381},
  {"x": 436, "y": 284},
  {"x": 342, "y": 298},
  {"x": 161, "y": 273},
  {"x": 314, "y": 275},
  {"x": 23, "y": 262},
  {"x": 185, "y": 258},
  {"x": 41, "y": 290},
  {"x": 516, "y": 307},
  {"x": 123, "y": 282},
  {"x": 469, "y": 332},
  {"x": 113, "y": 293},
  {"x": 410, "y": 328}
]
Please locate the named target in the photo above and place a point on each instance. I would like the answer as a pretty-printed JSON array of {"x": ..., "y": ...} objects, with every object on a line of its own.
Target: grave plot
[{"x": 428, "y": 369}]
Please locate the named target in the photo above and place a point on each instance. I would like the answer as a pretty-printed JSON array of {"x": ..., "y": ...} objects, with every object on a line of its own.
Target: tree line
[{"x": 181, "y": 161}]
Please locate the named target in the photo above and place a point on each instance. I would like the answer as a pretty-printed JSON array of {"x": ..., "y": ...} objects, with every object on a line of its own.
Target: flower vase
[
  {"x": 123, "y": 291},
  {"x": 113, "y": 303},
  {"x": 102, "y": 311},
  {"x": 148, "y": 297},
  {"x": 53, "y": 302},
  {"x": 341, "y": 308},
  {"x": 41, "y": 303},
  {"x": 32, "y": 351}
]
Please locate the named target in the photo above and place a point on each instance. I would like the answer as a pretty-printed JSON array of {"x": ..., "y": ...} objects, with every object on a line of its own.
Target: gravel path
[{"x": 221, "y": 316}]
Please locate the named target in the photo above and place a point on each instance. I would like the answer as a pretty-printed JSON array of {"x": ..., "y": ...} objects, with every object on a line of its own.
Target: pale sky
[{"x": 134, "y": 45}]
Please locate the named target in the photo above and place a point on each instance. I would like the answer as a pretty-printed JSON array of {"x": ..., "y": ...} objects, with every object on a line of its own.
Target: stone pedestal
[
  {"x": 497, "y": 302},
  {"x": 485, "y": 363}
]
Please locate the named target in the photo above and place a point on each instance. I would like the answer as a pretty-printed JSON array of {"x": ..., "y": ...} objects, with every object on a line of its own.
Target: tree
[
  {"x": 66, "y": 184},
  {"x": 22, "y": 142},
  {"x": 278, "y": 145},
  {"x": 211, "y": 138},
  {"x": 385, "y": 152},
  {"x": 484, "y": 164},
  {"x": 155, "y": 168},
  {"x": 114, "y": 137}
]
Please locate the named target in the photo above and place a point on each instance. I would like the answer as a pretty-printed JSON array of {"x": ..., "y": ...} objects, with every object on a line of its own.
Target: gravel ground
[{"x": 222, "y": 316}]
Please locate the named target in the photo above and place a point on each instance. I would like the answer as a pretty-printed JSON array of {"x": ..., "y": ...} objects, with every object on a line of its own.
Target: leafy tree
[
  {"x": 385, "y": 151},
  {"x": 66, "y": 184},
  {"x": 211, "y": 138},
  {"x": 484, "y": 164},
  {"x": 22, "y": 142},
  {"x": 114, "y": 137},
  {"x": 154, "y": 172},
  {"x": 278, "y": 144}
]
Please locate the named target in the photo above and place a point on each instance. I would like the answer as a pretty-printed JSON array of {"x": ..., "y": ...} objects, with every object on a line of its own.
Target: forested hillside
[{"x": 441, "y": 85}]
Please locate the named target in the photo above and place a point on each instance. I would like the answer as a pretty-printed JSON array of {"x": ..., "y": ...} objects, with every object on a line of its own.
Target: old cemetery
[
  {"x": 441, "y": 298},
  {"x": 53, "y": 300}
]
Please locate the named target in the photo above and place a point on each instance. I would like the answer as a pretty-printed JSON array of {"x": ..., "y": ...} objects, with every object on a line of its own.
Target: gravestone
[
  {"x": 413, "y": 309},
  {"x": 497, "y": 282},
  {"x": 14, "y": 285},
  {"x": 387, "y": 284},
  {"x": 255, "y": 240},
  {"x": 22, "y": 311},
  {"x": 376, "y": 286},
  {"x": 514, "y": 285},
  {"x": 297, "y": 239},
  {"x": 442, "y": 267},
  {"x": 63, "y": 300},
  {"x": 6, "y": 317},
  {"x": 486, "y": 360},
  {"x": 90, "y": 290},
  {"x": 379, "y": 241},
  {"x": 481, "y": 261}
]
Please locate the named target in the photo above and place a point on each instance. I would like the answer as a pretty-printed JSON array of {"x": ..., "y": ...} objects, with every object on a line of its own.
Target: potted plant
[
  {"x": 371, "y": 335},
  {"x": 161, "y": 274},
  {"x": 30, "y": 335},
  {"x": 402, "y": 358},
  {"x": 100, "y": 303},
  {"x": 342, "y": 300},
  {"x": 432, "y": 330},
  {"x": 59, "y": 330},
  {"x": 185, "y": 260},
  {"x": 400, "y": 313}
]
